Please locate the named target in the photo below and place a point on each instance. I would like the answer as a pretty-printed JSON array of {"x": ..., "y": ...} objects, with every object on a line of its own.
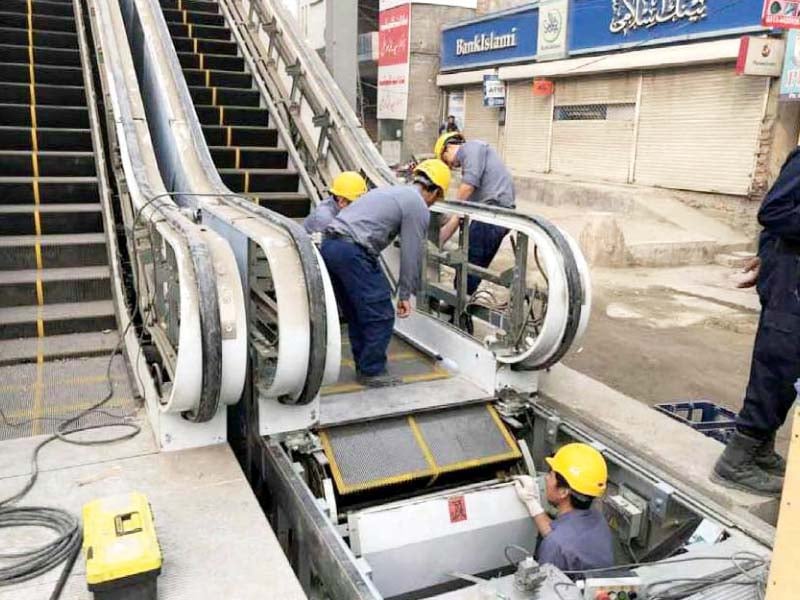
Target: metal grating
[{"x": 372, "y": 455}]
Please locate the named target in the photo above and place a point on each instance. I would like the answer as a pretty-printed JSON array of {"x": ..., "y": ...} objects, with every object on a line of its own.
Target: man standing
[
  {"x": 449, "y": 126},
  {"x": 579, "y": 539},
  {"x": 351, "y": 250},
  {"x": 484, "y": 180},
  {"x": 749, "y": 461},
  {"x": 346, "y": 188}
]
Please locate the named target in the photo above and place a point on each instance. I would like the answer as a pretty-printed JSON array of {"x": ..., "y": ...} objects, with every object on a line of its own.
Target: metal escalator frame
[
  {"x": 195, "y": 170},
  {"x": 199, "y": 385}
]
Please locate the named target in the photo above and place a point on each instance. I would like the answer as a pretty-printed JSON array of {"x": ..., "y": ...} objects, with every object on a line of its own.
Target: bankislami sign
[
  {"x": 628, "y": 15},
  {"x": 486, "y": 43}
]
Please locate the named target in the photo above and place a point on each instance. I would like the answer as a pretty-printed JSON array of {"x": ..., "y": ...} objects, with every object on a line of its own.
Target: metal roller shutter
[
  {"x": 596, "y": 148},
  {"x": 480, "y": 123},
  {"x": 699, "y": 129},
  {"x": 527, "y": 131}
]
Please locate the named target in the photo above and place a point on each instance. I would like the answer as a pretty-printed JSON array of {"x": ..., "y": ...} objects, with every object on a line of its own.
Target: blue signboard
[
  {"x": 510, "y": 36},
  {"x": 597, "y": 25}
]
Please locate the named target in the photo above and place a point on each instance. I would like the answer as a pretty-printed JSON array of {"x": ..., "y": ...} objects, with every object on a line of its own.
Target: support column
[{"x": 341, "y": 45}]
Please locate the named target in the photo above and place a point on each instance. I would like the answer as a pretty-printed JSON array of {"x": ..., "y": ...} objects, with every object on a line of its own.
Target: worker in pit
[
  {"x": 484, "y": 180},
  {"x": 351, "y": 249},
  {"x": 579, "y": 538},
  {"x": 346, "y": 189},
  {"x": 749, "y": 461}
]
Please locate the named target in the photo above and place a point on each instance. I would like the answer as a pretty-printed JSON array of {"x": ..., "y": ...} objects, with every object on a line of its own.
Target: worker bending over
[
  {"x": 484, "y": 180},
  {"x": 579, "y": 539},
  {"x": 346, "y": 189},
  {"x": 351, "y": 250},
  {"x": 749, "y": 461}
]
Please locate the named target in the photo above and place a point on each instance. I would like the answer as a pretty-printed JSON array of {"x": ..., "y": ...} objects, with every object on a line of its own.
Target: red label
[
  {"x": 543, "y": 87},
  {"x": 393, "y": 35},
  {"x": 741, "y": 61},
  {"x": 458, "y": 509}
]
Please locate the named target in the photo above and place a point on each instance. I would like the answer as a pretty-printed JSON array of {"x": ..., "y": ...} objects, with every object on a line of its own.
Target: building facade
[{"x": 621, "y": 92}]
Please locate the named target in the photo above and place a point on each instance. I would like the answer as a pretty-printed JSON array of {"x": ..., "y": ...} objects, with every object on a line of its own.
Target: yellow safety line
[
  {"x": 246, "y": 181},
  {"x": 189, "y": 29},
  {"x": 221, "y": 115},
  {"x": 512, "y": 443},
  {"x": 208, "y": 78},
  {"x": 202, "y": 59},
  {"x": 184, "y": 17},
  {"x": 214, "y": 96},
  {"x": 180, "y": 4},
  {"x": 230, "y": 135},
  {"x": 426, "y": 451},
  {"x": 238, "y": 157},
  {"x": 195, "y": 45}
]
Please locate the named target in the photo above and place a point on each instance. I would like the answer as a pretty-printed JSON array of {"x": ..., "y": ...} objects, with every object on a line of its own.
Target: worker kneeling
[
  {"x": 347, "y": 187},
  {"x": 351, "y": 250},
  {"x": 579, "y": 538}
]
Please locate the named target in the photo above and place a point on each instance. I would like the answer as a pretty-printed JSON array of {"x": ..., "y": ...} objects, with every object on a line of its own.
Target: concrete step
[
  {"x": 41, "y": 39},
  {"x": 187, "y": 44},
  {"x": 201, "y": 32},
  {"x": 40, "y": 22},
  {"x": 249, "y": 158},
  {"x": 39, "y": 7},
  {"x": 47, "y": 74},
  {"x": 231, "y": 79},
  {"x": 55, "y": 117},
  {"x": 43, "y": 95},
  {"x": 57, "y": 251},
  {"x": 17, "y": 163},
  {"x": 59, "y": 286},
  {"x": 63, "y": 57},
  {"x": 224, "y": 96},
  {"x": 260, "y": 180},
  {"x": 19, "y": 219},
  {"x": 200, "y": 6},
  {"x": 52, "y": 190},
  {"x": 233, "y": 135},
  {"x": 222, "y": 62},
  {"x": 57, "y": 319},
  {"x": 58, "y": 347},
  {"x": 232, "y": 115},
  {"x": 21, "y": 138},
  {"x": 734, "y": 260}
]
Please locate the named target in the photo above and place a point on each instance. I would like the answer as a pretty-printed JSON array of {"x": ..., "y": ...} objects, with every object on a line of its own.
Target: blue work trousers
[
  {"x": 484, "y": 242},
  {"x": 365, "y": 299}
]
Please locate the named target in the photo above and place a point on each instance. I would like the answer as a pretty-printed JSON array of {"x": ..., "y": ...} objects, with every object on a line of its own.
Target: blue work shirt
[
  {"x": 322, "y": 216},
  {"x": 579, "y": 540},
  {"x": 378, "y": 217},
  {"x": 483, "y": 169}
]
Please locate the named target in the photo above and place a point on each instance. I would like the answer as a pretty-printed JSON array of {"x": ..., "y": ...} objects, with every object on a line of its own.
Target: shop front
[{"x": 617, "y": 91}]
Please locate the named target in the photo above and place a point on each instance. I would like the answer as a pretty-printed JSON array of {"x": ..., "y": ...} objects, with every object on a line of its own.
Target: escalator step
[
  {"x": 39, "y": 22},
  {"x": 43, "y": 56},
  {"x": 260, "y": 180},
  {"x": 49, "y": 164},
  {"x": 46, "y": 95},
  {"x": 52, "y": 190},
  {"x": 225, "y": 96},
  {"x": 202, "y": 32},
  {"x": 20, "y": 138},
  {"x": 41, "y": 39},
  {"x": 249, "y": 158},
  {"x": 191, "y": 5},
  {"x": 78, "y": 284},
  {"x": 232, "y": 115},
  {"x": 199, "y": 18},
  {"x": 20, "y": 73},
  {"x": 55, "y": 219},
  {"x": 218, "y": 78},
  {"x": 293, "y": 205},
  {"x": 54, "y": 117},
  {"x": 240, "y": 136},
  {"x": 185, "y": 44},
  {"x": 220, "y": 62},
  {"x": 57, "y": 251},
  {"x": 39, "y": 7},
  {"x": 58, "y": 319}
]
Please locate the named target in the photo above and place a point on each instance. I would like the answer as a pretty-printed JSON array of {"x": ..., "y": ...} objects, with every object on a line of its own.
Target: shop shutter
[
  {"x": 699, "y": 129},
  {"x": 480, "y": 123},
  {"x": 595, "y": 148},
  {"x": 527, "y": 129}
]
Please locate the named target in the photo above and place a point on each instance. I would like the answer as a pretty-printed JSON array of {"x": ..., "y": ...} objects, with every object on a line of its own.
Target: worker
[
  {"x": 346, "y": 189},
  {"x": 749, "y": 461},
  {"x": 351, "y": 249},
  {"x": 579, "y": 538},
  {"x": 484, "y": 180}
]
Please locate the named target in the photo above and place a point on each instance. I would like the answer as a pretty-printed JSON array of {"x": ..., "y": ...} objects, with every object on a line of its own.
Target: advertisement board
[
  {"x": 790, "y": 78},
  {"x": 781, "y": 13},
  {"x": 553, "y": 20},
  {"x": 394, "y": 25},
  {"x": 494, "y": 91}
]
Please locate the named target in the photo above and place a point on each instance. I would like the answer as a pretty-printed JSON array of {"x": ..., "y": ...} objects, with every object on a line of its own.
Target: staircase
[
  {"x": 244, "y": 147},
  {"x": 55, "y": 292}
]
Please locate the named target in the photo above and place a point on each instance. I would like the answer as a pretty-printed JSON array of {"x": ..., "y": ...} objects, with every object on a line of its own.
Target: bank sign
[{"x": 510, "y": 37}]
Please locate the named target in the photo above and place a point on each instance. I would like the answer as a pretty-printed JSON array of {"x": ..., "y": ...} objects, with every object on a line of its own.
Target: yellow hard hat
[
  {"x": 441, "y": 143},
  {"x": 435, "y": 170},
  {"x": 583, "y": 467},
  {"x": 349, "y": 184}
]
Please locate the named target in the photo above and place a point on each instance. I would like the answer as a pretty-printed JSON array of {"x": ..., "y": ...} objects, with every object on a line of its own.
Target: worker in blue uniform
[
  {"x": 484, "y": 180},
  {"x": 749, "y": 461},
  {"x": 351, "y": 249},
  {"x": 579, "y": 539},
  {"x": 346, "y": 188}
]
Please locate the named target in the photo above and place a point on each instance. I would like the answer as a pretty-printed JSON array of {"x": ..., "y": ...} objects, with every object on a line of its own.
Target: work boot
[
  {"x": 769, "y": 460},
  {"x": 378, "y": 381},
  {"x": 737, "y": 468}
]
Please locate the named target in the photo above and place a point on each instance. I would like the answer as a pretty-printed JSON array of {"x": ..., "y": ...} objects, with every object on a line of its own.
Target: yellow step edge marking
[
  {"x": 185, "y": 17},
  {"x": 202, "y": 59},
  {"x": 32, "y": 92},
  {"x": 238, "y": 157},
  {"x": 221, "y": 115},
  {"x": 230, "y": 135},
  {"x": 189, "y": 28},
  {"x": 180, "y": 4},
  {"x": 194, "y": 41},
  {"x": 208, "y": 78},
  {"x": 426, "y": 451},
  {"x": 33, "y": 116},
  {"x": 214, "y": 96},
  {"x": 35, "y": 164},
  {"x": 34, "y": 140},
  {"x": 512, "y": 443},
  {"x": 246, "y": 181}
]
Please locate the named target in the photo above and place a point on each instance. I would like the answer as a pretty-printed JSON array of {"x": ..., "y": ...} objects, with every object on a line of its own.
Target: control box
[{"x": 612, "y": 588}]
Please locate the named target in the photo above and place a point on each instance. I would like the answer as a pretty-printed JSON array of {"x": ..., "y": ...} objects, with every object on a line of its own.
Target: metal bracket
[
  {"x": 659, "y": 503},
  {"x": 553, "y": 425}
]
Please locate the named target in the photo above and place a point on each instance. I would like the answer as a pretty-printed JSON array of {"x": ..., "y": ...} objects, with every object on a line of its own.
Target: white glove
[{"x": 528, "y": 493}]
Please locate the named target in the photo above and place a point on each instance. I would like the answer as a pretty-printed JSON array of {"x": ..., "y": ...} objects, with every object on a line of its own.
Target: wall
[{"x": 487, "y": 6}]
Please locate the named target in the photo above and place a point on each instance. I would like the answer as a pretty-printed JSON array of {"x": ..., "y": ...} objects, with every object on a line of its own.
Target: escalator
[
  {"x": 55, "y": 281},
  {"x": 243, "y": 145}
]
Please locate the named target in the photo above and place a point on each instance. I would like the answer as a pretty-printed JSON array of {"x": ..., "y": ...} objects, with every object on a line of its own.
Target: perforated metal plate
[{"x": 372, "y": 455}]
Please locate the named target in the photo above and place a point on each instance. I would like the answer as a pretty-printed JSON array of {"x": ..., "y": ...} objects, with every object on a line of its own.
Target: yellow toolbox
[{"x": 123, "y": 558}]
